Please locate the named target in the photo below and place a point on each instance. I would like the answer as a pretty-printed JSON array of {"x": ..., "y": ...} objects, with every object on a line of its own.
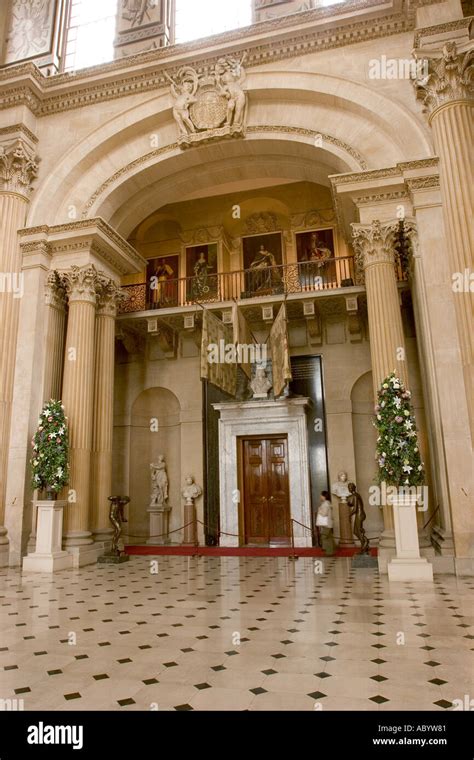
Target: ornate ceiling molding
[{"x": 283, "y": 37}]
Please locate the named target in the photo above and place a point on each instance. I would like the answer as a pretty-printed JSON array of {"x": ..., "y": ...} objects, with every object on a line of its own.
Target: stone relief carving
[
  {"x": 211, "y": 105},
  {"x": 137, "y": 12},
  {"x": 18, "y": 167},
  {"x": 30, "y": 29},
  {"x": 263, "y": 222},
  {"x": 450, "y": 76}
]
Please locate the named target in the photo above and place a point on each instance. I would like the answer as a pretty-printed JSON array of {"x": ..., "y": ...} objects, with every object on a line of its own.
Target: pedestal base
[
  {"x": 410, "y": 570},
  {"x": 85, "y": 555},
  {"x": 364, "y": 560},
  {"x": 112, "y": 559},
  {"x": 4, "y": 547},
  {"x": 47, "y": 563},
  {"x": 190, "y": 531},
  {"x": 159, "y": 526}
]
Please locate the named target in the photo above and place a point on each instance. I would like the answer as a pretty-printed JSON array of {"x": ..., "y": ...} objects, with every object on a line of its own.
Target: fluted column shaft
[
  {"x": 78, "y": 398},
  {"x": 452, "y": 131},
  {"x": 375, "y": 247},
  {"x": 101, "y": 463},
  {"x": 55, "y": 336},
  {"x": 13, "y": 209}
]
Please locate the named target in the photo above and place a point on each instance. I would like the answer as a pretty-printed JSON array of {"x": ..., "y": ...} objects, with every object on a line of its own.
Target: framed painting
[
  {"x": 315, "y": 253},
  {"x": 162, "y": 281},
  {"x": 201, "y": 272},
  {"x": 262, "y": 258}
]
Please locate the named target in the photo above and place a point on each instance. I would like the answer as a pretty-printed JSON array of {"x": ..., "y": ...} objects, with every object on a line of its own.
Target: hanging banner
[
  {"x": 218, "y": 364},
  {"x": 279, "y": 349},
  {"x": 243, "y": 341}
]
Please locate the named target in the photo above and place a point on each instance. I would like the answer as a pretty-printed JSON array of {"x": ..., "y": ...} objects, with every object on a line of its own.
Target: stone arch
[{"x": 128, "y": 178}]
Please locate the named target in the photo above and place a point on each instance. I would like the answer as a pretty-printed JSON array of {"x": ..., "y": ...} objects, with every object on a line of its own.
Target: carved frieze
[
  {"x": 210, "y": 105},
  {"x": 262, "y": 222}
]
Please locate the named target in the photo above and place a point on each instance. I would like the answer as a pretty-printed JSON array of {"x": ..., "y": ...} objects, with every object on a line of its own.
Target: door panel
[{"x": 266, "y": 508}]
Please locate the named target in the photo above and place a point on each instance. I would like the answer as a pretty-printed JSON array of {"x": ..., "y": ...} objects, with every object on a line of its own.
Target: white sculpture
[
  {"x": 340, "y": 489},
  {"x": 191, "y": 491},
  {"x": 159, "y": 483},
  {"x": 260, "y": 384}
]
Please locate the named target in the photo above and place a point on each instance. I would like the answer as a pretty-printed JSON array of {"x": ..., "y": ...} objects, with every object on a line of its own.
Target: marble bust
[
  {"x": 260, "y": 384},
  {"x": 341, "y": 488},
  {"x": 191, "y": 491}
]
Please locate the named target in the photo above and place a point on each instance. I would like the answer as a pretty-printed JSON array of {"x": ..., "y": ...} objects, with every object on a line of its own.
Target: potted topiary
[
  {"x": 49, "y": 463},
  {"x": 50, "y": 474},
  {"x": 401, "y": 475}
]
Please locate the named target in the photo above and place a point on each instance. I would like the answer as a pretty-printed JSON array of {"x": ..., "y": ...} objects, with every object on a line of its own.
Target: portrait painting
[
  {"x": 262, "y": 259},
  {"x": 201, "y": 271},
  {"x": 315, "y": 253},
  {"x": 162, "y": 281}
]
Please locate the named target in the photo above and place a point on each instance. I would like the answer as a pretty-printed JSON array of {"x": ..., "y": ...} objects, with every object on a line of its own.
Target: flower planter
[{"x": 48, "y": 556}]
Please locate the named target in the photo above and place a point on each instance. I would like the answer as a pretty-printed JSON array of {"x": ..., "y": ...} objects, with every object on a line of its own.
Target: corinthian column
[
  {"x": 447, "y": 94},
  {"x": 78, "y": 399},
  {"x": 101, "y": 487},
  {"x": 375, "y": 247},
  {"x": 18, "y": 168}
]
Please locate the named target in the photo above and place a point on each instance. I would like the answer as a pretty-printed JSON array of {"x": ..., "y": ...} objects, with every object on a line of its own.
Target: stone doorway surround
[{"x": 280, "y": 417}]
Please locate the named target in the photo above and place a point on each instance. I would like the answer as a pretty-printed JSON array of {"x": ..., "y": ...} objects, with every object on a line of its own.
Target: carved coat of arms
[{"x": 211, "y": 105}]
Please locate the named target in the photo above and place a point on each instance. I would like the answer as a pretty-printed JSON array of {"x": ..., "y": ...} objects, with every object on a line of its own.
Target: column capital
[
  {"x": 55, "y": 291},
  {"x": 374, "y": 243},
  {"x": 18, "y": 167},
  {"x": 109, "y": 296},
  {"x": 449, "y": 76},
  {"x": 81, "y": 283}
]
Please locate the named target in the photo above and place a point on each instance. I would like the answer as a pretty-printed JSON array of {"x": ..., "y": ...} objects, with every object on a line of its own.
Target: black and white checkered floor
[{"x": 234, "y": 633}]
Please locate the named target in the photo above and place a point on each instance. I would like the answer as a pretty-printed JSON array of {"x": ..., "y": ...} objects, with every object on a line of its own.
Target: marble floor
[{"x": 230, "y": 633}]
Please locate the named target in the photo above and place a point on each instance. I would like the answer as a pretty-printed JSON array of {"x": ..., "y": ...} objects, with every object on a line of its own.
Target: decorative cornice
[
  {"x": 449, "y": 26},
  {"x": 371, "y": 198},
  {"x": 305, "y": 34},
  {"x": 423, "y": 183},
  {"x": 18, "y": 168},
  {"x": 16, "y": 129},
  {"x": 450, "y": 76}
]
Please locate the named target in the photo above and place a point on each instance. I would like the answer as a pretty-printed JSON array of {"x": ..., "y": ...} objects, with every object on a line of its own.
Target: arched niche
[
  {"x": 365, "y": 438},
  {"x": 155, "y": 428}
]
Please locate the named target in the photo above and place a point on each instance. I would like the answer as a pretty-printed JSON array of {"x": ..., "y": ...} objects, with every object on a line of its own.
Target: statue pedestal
[
  {"x": 190, "y": 531},
  {"x": 345, "y": 528},
  {"x": 407, "y": 565},
  {"x": 159, "y": 525},
  {"x": 48, "y": 555}
]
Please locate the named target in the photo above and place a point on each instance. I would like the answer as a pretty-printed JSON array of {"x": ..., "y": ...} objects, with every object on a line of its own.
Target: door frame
[{"x": 240, "y": 475}]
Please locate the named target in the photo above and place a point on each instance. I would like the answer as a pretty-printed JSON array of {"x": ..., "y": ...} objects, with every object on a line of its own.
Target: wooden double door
[{"x": 265, "y": 508}]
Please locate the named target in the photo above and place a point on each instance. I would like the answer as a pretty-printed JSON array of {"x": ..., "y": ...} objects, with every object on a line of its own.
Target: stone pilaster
[
  {"x": 375, "y": 248},
  {"x": 448, "y": 98},
  {"x": 78, "y": 399},
  {"x": 18, "y": 168},
  {"x": 145, "y": 25},
  {"x": 101, "y": 463}
]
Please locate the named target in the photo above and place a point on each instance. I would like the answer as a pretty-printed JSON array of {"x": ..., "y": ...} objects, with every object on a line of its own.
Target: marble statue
[
  {"x": 260, "y": 384},
  {"x": 184, "y": 92},
  {"x": 159, "y": 483},
  {"x": 340, "y": 488},
  {"x": 191, "y": 491},
  {"x": 229, "y": 77},
  {"x": 358, "y": 512}
]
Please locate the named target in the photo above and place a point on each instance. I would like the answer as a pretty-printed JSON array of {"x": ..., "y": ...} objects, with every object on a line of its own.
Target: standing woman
[{"x": 325, "y": 524}]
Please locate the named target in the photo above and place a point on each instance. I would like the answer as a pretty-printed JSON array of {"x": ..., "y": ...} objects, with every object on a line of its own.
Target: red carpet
[{"x": 241, "y": 551}]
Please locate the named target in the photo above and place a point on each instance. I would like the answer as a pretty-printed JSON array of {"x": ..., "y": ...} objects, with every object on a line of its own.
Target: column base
[
  {"x": 417, "y": 569},
  {"x": 4, "y": 547},
  {"x": 85, "y": 554},
  {"x": 464, "y": 566},
  {"x": 104, "y": 536},
  {"x": 47, "y": 563}
]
